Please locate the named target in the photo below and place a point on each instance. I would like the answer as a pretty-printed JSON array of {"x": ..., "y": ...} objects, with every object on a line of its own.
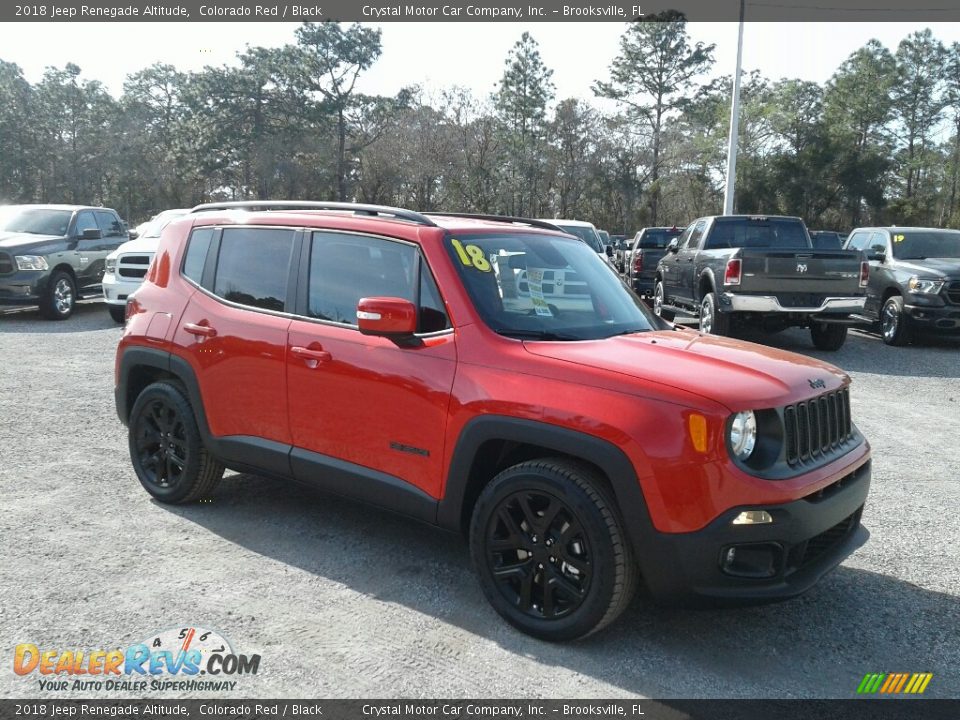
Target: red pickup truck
[{"x": 430, "y": 364}]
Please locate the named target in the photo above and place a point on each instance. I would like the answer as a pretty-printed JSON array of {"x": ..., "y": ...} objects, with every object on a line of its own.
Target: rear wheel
[
  {"x": 828, "y": 336},
  {"x": 167, "y": 451},
  {"x": 712, "y": 321},
  {"x": 60, "y": 298},
  {"x": 894, "y": 323},
  {"x": 550, "y": 550}
]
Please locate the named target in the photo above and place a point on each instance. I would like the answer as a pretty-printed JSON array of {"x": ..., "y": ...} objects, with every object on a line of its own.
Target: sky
[{"x": 439, "y": 55}]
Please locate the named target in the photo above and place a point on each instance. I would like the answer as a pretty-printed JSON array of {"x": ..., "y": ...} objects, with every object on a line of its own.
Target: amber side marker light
[{"x": 697, "y": 425}]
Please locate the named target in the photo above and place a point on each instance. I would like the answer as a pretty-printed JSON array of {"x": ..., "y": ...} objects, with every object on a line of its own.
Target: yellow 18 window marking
[{"x": 471, "y": 256}]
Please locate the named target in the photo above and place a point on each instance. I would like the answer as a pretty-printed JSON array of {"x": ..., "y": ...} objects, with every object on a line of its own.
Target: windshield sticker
[
  {"x": 535, "y": 283},
  {"x": 898, "y": 238},
  {"x": 471, "y": 256}
]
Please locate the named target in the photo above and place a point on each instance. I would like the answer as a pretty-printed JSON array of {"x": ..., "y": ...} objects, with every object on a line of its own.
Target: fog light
[
  {"x": 756, "y": 560},
  {"x": 753, "y": 517}
]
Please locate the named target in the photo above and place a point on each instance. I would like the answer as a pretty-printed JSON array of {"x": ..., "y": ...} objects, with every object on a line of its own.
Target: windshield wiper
[
  {"x": 629, "y": 332},
  {"x": 535, "y": 334}
]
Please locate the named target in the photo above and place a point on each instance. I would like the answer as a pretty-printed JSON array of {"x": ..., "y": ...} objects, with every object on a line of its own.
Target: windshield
[
  {"x": 921, "y": 244},
  {"x": 585, "y": 233},
  {"x": 156, "y": 226},
  {"x": 757, "y": 232},
  {"x": 36, "y": 222},
  {"x": 658, "y": 238},
  {"x": 545, "y": 287}
]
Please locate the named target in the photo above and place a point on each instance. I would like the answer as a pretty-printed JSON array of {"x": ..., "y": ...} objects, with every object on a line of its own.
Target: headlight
[
  {"x": 743, "y": 434},
  {"x": 31, "y": 262},
  {"x": 925, "y": 286},
  {"x": 111, "y": 265}
]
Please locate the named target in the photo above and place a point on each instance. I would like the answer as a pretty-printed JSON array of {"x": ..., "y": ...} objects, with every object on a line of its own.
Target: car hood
[
  {"x": 740, "y": 375},
  {"x": 140, "y": 245},
  {"x": 14, "y": 240},
  {"x": 935, "y": 266}
]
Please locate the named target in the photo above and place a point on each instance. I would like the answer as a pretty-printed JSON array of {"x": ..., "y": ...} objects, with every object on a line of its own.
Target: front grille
[
  {"x": 6, "y": 264},
  {"x": 816, "y": 427},
  {"x": 808, "y": 552},
  {"x": 953, "y": 292},
  {"x": 133, "y": 266}
]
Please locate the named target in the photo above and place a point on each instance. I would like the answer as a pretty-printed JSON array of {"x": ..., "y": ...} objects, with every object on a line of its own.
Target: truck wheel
[
  {"x": 894, "y": 323},
  {"x": 118, "y": 313},
  {"x": 658, "y": 298},
  {"x": 828, "y": 336},
  {"x": 550, "y": 550},
  {"x": 60, "y": 298},
  {"x": 712, "y": 321},
  {"x": 167, "y": 451}
]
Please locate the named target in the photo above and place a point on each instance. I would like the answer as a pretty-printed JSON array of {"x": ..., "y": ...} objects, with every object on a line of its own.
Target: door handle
[
  {"x": 315, "y": 356},
  {"x": 200, "y": 330}
]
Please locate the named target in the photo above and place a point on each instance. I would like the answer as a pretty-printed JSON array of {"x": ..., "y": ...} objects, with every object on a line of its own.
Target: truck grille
[
  {"x": 816, "y": 427},
  {"x": 953, "y": 292},
  {"x": 6, "y": 264},
  {"x": 133, "y": 266}
]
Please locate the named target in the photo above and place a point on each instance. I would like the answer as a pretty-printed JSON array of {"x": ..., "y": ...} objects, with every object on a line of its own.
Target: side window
[
  {"x": 858, "y": 241},
  {"x": 878, "y": 242},
  {"x": 86, "y": 221},
  {"x": 196, "y": 255},
  {"x": 253, "y": 265},
  {"x": 345, "y": 268},
  {"x": 110, "y": 225},
  {"x": 685, "y": 238},
  {"x": 433, "y": 316},
  {"x": 697, "y": 234}
]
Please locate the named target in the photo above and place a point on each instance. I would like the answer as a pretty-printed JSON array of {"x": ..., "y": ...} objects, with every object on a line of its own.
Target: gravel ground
[{"x": 342, "y": 600}]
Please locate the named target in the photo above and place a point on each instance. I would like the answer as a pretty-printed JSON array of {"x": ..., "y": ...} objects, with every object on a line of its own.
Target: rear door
[
  {"x": 234, "y": 333},
  {"x": 360, "y": 404}
]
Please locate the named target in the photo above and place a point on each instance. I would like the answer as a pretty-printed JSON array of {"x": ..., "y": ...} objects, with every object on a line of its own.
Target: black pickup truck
[
  {"x": 761, "y": 271},
  {"x": 647, "y": 248}
]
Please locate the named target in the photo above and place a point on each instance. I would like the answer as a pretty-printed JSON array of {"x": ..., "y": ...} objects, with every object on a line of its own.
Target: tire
[
  {"x": 828, "y": 336},
  {"x": 118, "y": 313},
  {"x": 658, "y": 298},
  {"x": 60, "y": 298},
  {"x": 182, "y": 472},
  {"x": 543, "y": 585},
  {"x": 713, "y": 322},
  {"x": 895, "y": 326}
]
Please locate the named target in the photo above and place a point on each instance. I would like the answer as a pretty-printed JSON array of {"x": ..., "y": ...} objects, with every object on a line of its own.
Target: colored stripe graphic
[{"x": 894, "y": 683}]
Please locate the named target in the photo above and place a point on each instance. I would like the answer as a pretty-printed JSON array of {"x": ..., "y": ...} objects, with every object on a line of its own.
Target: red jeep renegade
[{"x": 492, "y": 376}]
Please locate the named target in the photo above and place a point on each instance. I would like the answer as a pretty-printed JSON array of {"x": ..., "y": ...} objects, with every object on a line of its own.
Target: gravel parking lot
[{"x": 342, "y": 600}]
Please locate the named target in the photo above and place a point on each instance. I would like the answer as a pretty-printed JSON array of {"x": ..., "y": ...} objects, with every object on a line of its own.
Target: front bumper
[
  {"x": 116, "y": 290},
  {"x": 24, "y": 287},
  {"x": 807, "y": 539},
  {"x": 945, "y": 318},
  {"x": 731, "y": 302}
]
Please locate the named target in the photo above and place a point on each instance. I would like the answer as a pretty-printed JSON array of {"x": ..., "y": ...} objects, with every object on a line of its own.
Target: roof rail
[
  {"x": 543, "y": 224},
  {"x": 356, "y": 208}
]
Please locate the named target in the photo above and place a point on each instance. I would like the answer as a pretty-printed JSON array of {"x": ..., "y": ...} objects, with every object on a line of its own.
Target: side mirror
[
  {"x": 91, "y": 234},
  {"x": 133, "y": 234},
  {"x": 875, "y": 255},
  {"x": 673, "y": 246},
  {"x": 608, "y": 249},
  {"x": 387, "y": 317}
]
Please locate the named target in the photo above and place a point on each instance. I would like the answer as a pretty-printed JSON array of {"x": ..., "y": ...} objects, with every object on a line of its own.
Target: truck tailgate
[{"x": 806, "y": 272}]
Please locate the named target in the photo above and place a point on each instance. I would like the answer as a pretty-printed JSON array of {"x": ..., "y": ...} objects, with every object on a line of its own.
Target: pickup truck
[
  {"x": 648, "y": 247},
  {"x": 761, "y": 271}
]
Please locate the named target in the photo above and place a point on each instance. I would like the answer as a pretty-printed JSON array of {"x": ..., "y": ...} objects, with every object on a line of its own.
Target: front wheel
[
  {"x": 658, "y": 297},
  {"x": 167, "y": 451},
  {"x": 828, "y": 336},
  {"x": 550, "y": 550},
  {"x": 712, "y": 321},
  {"x": 894, "y": 323},
  {"x": 118, "y": 313},
  {"x": 60, "y": 298}
]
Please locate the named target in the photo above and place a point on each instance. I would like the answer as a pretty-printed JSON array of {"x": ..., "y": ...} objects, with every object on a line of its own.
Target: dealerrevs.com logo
[{"x": 184, "y": 659}]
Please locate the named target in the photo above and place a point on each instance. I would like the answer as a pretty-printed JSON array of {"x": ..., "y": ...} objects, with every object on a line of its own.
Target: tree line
[{"x": 878, "y": 143}]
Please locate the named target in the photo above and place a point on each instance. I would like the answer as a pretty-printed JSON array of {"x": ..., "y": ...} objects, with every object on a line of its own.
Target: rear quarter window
[{"x": 196, "y": 256}]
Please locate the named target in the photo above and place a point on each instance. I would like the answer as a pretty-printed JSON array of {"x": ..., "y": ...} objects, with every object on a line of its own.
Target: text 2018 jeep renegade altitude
[{"x": 430, "y": 365}]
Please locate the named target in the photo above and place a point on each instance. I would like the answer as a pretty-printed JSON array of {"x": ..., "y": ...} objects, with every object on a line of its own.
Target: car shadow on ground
[
  {"x": 818, "y": 645},
  {"x": 88, "y": 315}
]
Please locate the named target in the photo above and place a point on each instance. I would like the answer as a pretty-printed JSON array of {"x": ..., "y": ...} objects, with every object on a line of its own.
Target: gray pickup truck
[{"x": 761, "y": 271}]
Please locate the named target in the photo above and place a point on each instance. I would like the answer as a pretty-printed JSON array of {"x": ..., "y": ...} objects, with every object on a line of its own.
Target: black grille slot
[
  {"x": 953, "y": 292},
  {"x": 6, "y": 264},
  {"x": 132, "y": 272},
  {"x": 816, "y": 427},
  {"x": 816, "y": 547}
]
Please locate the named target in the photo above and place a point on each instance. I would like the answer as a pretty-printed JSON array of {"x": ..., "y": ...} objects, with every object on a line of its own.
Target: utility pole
[{"x": 734, "y": 125}]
